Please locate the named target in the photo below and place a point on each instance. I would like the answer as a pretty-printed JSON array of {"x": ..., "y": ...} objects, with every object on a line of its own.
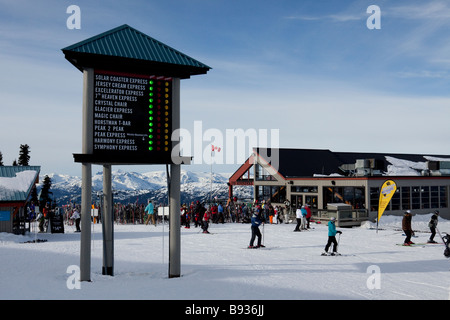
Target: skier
[
  {"x": 304, "y": 214},
  {"x": 432, "y": 225},
  {"x": 308, "y": 215},
  {"x": 298, "y": 216},
  {"x": 187, "y": 217},
  {"x": 149, "y": 209},
  {"x": 332, "y": 237},
  {"x": 40, "y": 218},
  {"x": 256, "y": 222},
  {"x": 205, "y": 222},
  {"x": 406, "y": 227},
  {"x": 221, "y": 217},
  {"x": 77, "y": 217}
]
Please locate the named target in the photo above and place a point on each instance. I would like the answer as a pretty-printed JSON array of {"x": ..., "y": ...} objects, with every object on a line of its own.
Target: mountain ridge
[{"x": 132, "y": 187}]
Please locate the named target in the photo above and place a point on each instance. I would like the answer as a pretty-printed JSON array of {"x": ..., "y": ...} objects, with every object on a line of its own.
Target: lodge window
[
  {"x": 406, "y": 198},
  {"x": 304, "y": 189},
  {"x": 443, "y": 203},
  {"x": 355, "y": 196},
  {"x": 396, "y": 201},
  {"x": 425, "y": 197},
  {"x": 416, "y": 197},
  {"x": 261, "y": 174},
  {"x": 374, "y": 198},
  {"x": 274, "y": 194},
  {"x": 434, "y": 199}
]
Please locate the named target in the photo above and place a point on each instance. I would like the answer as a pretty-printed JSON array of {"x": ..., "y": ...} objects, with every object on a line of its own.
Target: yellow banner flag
[{"x": 387, "y": 191}]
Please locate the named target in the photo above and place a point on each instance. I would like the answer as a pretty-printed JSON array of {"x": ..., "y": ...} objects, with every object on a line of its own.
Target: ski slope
[{"x": 218, "y": 266}]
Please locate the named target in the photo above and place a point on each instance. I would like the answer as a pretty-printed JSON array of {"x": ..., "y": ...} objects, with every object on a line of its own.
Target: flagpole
[{"x": 211, "y": 176}]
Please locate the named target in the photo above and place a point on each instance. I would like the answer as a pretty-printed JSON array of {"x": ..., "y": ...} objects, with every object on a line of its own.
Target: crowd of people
[{"x": 192, "y": 213}]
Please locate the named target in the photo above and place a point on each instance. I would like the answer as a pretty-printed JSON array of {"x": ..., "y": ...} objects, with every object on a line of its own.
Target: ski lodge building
[
  {"x": 16, "y": 184},
  {"x": 346, "y": 184}
]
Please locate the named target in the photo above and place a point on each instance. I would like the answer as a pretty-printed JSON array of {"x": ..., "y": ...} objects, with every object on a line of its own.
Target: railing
[{"x": 344, "y": 218}]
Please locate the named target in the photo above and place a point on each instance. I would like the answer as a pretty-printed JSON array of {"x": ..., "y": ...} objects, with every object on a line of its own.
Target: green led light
[
  {"x": 150, "y": 130},
  {"x": 150, "y": 106},
  {"x": 151, "y": 94},
  {"x": 150, "y": 148},
  {"x": 150, "y": 142},
  {"x": 150, "y": 82},
  {"x": 150, "y": 118},
  {"x": 150, "y": 124},
  {"x": 150, "y": 100},
  {"x": 150, "y": 112},
  {"x": 150, "y": 136}
]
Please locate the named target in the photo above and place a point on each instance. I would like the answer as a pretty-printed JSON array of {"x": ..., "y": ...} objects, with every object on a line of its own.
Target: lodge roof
[
  {"x": 16, "y": 182},
  {"x": 296, "y": 163}
]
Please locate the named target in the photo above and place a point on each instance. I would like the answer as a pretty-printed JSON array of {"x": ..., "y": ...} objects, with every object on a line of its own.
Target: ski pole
[
  {"x": 263, "y": 234},
  {"x": 339, "y": 239},
  {"x": 440, "y": 235}
]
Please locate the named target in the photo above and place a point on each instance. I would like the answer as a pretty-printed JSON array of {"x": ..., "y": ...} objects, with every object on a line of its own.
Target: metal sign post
[
  {"x": 86, "y": 175},
  {"x": 174, "y": 190}
]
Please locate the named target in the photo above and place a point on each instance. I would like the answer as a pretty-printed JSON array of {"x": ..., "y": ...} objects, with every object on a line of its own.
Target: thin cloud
[
  {"x": 427, "y": 11},
  {"x": 331, "y": 17}
]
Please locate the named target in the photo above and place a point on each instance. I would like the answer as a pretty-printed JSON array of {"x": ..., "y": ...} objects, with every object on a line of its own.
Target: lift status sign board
[{"x": 132, "y": 117}]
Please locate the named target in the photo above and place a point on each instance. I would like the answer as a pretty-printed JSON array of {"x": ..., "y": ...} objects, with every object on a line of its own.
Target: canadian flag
[{"x": 215, "y": 148}]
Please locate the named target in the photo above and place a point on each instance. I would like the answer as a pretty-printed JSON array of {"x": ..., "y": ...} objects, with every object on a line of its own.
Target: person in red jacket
[
  {"x": 308, "y": 215},
  {"x": 205, "y": 221}
]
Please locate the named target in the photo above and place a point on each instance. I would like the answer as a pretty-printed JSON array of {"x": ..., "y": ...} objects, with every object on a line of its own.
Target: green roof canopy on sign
[{"x": 130, "y": 50}]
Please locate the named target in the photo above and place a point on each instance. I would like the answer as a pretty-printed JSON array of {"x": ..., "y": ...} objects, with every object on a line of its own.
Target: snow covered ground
[{"x": 218, "y": 266}]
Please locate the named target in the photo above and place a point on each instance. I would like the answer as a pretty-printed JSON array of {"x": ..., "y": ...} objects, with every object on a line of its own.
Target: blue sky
[{"x": 311, "y": 69}]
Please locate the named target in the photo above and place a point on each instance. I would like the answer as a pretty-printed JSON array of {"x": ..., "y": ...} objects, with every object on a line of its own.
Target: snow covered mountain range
[{"x": 129, "y": 187}]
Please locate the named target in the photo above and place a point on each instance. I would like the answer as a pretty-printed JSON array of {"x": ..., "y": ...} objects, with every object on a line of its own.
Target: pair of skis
[{"x": 331, "y": 254}]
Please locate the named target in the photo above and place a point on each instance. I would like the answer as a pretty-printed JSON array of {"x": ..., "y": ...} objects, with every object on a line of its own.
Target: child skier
[
  {"x": 331, "y": 237},
  {"x": 432, "y": 225}
]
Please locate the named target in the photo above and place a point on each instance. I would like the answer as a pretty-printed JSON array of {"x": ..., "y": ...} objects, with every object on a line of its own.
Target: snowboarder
[
  {"x": 332, "y": 237},
  {"x": 406, "y": 227},
  {"x": 256, "y": 222},
  {"x": 432, "y": 225}
]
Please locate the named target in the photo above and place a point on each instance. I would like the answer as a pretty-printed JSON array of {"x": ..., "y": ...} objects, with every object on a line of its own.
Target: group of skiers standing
[
  {"x": 303, "y": 215},
  {"x": 407, "y": 229}
]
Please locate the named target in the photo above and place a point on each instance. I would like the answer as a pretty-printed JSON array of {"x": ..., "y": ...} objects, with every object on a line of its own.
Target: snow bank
[{"x": 419, "y": 222}]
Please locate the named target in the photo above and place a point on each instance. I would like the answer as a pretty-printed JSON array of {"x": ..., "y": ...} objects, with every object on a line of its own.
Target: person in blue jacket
[
  {"x": 332, "y": 237},
  {"x": 256, "y": 222},
  {"x": 150, "y": 214}
]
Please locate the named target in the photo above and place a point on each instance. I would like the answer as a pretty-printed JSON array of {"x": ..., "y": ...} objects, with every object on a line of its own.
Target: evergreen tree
[
  {"x": 24, "y": 155},
  {"x": 34, "y": 195},
  {"x": 45, "y": 191},
  {"x": 15, "y": 162},
  {"x": 1, "y": 159}
]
